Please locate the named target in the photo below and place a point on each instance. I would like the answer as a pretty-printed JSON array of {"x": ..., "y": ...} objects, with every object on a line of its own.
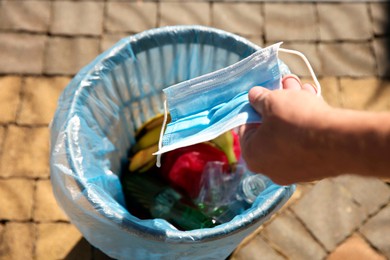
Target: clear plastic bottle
[
  {"x": 225, "y": 195},
  {"x": 250, "y": 187}
]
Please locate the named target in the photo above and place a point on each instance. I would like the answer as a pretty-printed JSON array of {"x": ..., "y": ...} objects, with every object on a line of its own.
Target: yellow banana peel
[
  {"x": 143, "y": 159},
  {"x": 152, "y": 123},
  {"x": 225, "y": 142},
  {"x": 148, "y": 139}
]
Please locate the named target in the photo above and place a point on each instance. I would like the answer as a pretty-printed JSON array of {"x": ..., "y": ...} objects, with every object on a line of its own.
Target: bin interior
[{"x": 95, "y": 123}]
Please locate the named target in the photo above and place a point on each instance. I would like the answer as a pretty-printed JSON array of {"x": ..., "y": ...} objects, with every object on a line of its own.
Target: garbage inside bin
[
  {"x": 95, "y": 125},
  {"x": 146, "y": 188},
  {"x": 211, "y": 168},
  {"x": 156, "y": 199},
  {"x": 224, "y": 195}
]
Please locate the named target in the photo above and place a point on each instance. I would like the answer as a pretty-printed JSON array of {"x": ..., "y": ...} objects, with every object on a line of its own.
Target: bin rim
[{"x": 90, "y": 73}]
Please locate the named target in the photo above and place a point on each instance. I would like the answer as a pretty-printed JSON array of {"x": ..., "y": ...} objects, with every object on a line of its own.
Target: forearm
[
  {"x": 303, "y": 139},
  {"x": 358, "y": 142}
]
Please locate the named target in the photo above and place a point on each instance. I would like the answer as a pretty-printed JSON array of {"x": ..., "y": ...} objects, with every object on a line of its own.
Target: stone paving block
[
  {"x": 16, "y": 199},
  {"x": 2, "y": 136},
  {"x": 46, "y": 207},
  {"x": 241, "y": 18},
  {"x": 288, "y": 235},
  {"x": 365, "y": 94},
  {"x": 29, "y": 160},
  {"x": 355, "y": 247},
  {"x": 9, "y": 98},
  {"x": 21, "y": 53},
  {"x": 379, "y": 14},
  {"x": 59, "y": 240},
  {"x": 18, "y": 241},
  {"x": 77, "y": 18},
  {"x": 296, "y": 64},
  {"x": 347, "y": 59},
  {"x": 344, "y": 21},
  {"x": 290, "y": 21},
  {"x": 382, "y": 56},
  {"x": 300, "y": 190},
  {"x": 130, "y": 17},
  {"x": 68, "y": 55},
  {"x": 256, "y": 249},
  {"x": 370, "y": 193},
  {"x": 329, "y": 213},
  {"x": 25, "y": 15},
  {"x": 330, "y": 89},
  {"x": 39, "y": 99},
  {"x": 108, "y": 40},
  {"x": 377, "y": 231},
  {"x": 187, "y": 13}
]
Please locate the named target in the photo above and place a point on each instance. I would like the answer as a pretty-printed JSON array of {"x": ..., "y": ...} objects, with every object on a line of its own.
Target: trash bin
[{"x": 94, "y": 127}]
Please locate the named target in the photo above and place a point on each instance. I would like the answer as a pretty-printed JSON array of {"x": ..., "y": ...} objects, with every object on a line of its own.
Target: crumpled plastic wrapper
[{"x": 94, "y": 127}]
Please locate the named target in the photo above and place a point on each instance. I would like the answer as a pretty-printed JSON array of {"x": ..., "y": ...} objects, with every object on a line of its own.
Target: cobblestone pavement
[{"x": 44, "y": 43}]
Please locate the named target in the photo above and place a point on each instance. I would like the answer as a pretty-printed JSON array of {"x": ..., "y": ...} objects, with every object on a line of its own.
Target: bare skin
[{"x": 303, "y": 139}]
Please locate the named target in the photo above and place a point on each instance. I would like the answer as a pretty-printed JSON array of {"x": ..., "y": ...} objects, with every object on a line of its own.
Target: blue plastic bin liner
[{"x": 93, "y": 129}]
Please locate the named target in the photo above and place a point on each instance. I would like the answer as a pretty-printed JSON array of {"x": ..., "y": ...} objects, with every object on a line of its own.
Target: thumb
[{"x": 256, "y": 97}]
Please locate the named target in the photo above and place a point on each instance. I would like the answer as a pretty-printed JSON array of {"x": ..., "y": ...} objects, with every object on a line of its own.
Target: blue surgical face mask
[{"x": 207, "y": 106}]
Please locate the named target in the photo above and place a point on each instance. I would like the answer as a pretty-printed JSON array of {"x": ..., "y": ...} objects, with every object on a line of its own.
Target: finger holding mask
[{"x": 205, "y": 107}]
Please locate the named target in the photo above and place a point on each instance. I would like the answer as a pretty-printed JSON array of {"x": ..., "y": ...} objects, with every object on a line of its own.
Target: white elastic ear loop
[
  {"x": 158, "y": 163},
  {"x": 303, "y": 57}
]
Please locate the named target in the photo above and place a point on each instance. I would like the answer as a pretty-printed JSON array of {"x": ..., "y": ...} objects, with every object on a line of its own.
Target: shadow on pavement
[
  {"x": 385, "y": 78},
  {"x": 83, "y": 250}
]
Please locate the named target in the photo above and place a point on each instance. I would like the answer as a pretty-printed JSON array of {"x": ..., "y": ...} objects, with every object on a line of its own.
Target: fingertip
[
  {"x": 309, "y": 88},
  {"x": 291, "y": 81},
  {"x": 255, "y": 93},
  {"x": 256, "y": 90},
  {"x": 257, "y": 97}
]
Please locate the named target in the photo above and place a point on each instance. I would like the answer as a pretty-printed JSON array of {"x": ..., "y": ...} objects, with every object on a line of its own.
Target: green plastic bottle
[{"x": 162, "y": 201}]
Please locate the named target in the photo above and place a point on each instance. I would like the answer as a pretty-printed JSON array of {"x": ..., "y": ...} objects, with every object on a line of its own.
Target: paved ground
[{"x": 44, "y": 43}]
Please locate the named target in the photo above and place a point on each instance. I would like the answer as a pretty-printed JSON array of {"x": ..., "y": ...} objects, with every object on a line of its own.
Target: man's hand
[{"x": 286, "y": 145}]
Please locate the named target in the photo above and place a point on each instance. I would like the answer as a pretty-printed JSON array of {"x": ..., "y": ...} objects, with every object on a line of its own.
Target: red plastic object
[{"x": 183, "y": 167}]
